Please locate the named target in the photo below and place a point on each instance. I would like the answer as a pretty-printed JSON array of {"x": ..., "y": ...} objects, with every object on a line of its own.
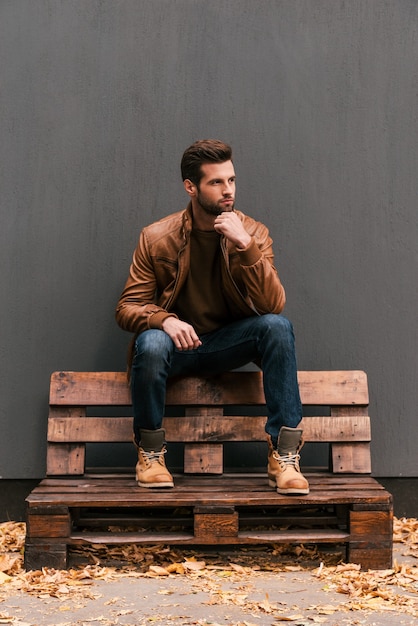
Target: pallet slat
[
  {"x": 111, "y": 388},
  {"x": 215, "y": 491},
  {"x": 66, "y": 458},
  {"x": 308, "y": 536},
  {"x": 201, "y": 428}
]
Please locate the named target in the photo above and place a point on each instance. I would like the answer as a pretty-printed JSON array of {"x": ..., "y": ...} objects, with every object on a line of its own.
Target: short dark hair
[{"x": 200, "y": 152}]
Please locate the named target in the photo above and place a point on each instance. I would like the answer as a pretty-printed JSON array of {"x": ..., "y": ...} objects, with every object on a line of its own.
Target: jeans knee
[
  {"x": 279, "y": 329},
  {"x": 278, "y": 323},
  {"x": 153, "y": 349}
]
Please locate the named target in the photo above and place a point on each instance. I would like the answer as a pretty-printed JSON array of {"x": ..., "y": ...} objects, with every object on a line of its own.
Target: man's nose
[{"x": 228, "y": 189}]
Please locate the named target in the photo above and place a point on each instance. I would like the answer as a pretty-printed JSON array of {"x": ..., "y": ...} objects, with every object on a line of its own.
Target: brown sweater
[{"x": 202, "y": 302}]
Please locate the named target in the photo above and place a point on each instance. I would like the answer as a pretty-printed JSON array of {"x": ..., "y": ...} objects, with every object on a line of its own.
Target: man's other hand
[{"x": 183, "y": 335}]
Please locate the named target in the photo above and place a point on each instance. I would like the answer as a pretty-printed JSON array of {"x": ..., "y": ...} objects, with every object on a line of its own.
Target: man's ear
[{"x": 190, "y": 188}]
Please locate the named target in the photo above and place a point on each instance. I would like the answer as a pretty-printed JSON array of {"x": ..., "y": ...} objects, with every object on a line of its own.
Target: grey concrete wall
[{"x": 98, "y": 101}]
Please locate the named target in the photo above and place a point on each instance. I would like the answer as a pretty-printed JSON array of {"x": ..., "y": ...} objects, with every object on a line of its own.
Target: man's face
[{"x": 216, "y": 190}]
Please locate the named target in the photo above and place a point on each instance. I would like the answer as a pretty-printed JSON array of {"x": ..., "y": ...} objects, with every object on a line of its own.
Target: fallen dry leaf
[
  {"x": 193, "y": 565},
  {"x": 238, "y": 568},
  {"x": 393, "y": 589},
  {"x": 265, "y": 604},
  {"x": 288, "y": 618},
  {"x": 4, "y": 578},
  {"x": 160, "y": 571}
]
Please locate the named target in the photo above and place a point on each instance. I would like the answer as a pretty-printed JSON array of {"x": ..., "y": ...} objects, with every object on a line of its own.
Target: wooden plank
[
  {"x": 240, "y": 481},
  {"x": 305, "y": 535},
  {"x": 131, "y": 498},
  {"x": 349, "y": 458},
  {"x": 200, "y": 458},
  {"x": 39, "y": 555},
  {"x": 367, "y": 525},
  {"x": 320, "y": 480},
  {"x": 41, "y": 525},
  {"x": 89, "y": 388},
  {"x": 345, "y": 428},
  {"x": 90, "y": 429},
  {"x": 230, "y": 388},
  {"x": 205, "y": 497},
  {"x": 378, "y": 499},
  {"x": 121, "y": 538},
  {"x": 371, "y": 557},
  {"x": 206, "y": 429},
  {"x": 279, "y": 536},
  {"x": 322, "y": 388},
  {"x": 65, "y": 458},
  {"x": 111, "y": 388},
  {"x": 211, "y": 525},
  {"x": 51, "y": 495},
  {"x": 333, "y": 388},
  {"x": 371, "y": 538},
  {"x": 354, "y": 494}
]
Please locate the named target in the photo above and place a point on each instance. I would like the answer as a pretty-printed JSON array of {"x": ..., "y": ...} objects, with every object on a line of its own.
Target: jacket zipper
[{"x": 181, "y": 251}]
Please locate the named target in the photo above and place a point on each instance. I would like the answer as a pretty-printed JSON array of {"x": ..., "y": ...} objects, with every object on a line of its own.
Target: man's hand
[
  {"x": 229, "y": 224},
  {"x": 183, "y": 335}
]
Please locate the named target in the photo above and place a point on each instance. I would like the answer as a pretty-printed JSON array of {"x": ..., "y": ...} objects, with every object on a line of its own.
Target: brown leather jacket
[{"x": 161, "y": 263}]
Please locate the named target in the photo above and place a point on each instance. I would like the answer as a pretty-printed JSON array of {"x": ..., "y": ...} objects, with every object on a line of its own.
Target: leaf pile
[
  {"x": 384, "y": 590},
  {"x": 393, "y": 590},
  {"x": 372, "y": 589},
  {"x": 405, "y": 530}
]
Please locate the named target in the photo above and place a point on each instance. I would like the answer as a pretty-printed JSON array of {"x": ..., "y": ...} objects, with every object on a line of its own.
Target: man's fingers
[
  {"x": 186, "y": 344},
  {"x": 229, "y": 225},
  {"x": 189, "y": 341},
  {"x": 183, "y": 335}
]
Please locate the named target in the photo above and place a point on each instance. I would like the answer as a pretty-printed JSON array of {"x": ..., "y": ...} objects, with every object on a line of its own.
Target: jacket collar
[{"x": 187, "y": 220}]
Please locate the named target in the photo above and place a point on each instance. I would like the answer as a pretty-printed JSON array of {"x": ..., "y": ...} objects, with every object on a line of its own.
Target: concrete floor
[{"x": 221, "y": 595}]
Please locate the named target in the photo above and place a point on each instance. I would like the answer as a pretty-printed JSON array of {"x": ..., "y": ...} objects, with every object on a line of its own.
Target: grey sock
[
  {"x": 152, "y": 440},
  {"x": 289, "y": 440}
]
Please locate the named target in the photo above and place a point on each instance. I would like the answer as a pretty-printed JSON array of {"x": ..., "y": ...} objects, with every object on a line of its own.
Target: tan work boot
[
  {"x": 283, "y": 464},
  {"x": 151, "y": 470}
]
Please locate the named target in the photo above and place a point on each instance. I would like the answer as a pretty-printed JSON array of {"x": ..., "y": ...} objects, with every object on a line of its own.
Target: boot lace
[
  {"x": 153, "y": 457},
  {"x": 288, "y": 460}
]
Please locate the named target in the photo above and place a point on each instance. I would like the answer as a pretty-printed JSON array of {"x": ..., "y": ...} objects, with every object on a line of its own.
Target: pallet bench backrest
[{"x": 206, "y": 424}]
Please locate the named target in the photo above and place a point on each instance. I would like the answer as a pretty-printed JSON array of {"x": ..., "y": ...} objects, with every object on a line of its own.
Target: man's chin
[
  {"x": 226, "y": 207},
  {"x": 213, "y": 211},
  {"x": 217, "y": 209}
]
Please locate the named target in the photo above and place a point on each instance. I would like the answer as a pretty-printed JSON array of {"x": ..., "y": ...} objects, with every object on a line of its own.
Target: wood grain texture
[
  {"x": 206, "y": 429},
  {"x": 104, "y": 388}
]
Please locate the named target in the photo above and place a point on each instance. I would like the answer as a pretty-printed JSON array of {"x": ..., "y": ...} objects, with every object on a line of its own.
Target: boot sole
[
  {"x": 293, "y": 492},
  {"x": 153, "y": 485}
]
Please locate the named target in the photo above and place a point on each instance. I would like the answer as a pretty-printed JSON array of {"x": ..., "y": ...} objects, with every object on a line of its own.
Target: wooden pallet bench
[{"x": 208, "y": 505}]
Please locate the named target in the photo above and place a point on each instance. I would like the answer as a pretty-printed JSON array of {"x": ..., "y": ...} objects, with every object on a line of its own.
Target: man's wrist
[
  {"x": 157, "y": 320},
  {"x": 244, "y": 245}
]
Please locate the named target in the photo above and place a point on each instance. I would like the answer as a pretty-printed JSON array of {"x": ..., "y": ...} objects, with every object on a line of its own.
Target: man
[{"x": 203, "y": 296}]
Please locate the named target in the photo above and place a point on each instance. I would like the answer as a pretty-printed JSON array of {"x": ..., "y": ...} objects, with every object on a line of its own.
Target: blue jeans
[{"x": 265, "y": 339}]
